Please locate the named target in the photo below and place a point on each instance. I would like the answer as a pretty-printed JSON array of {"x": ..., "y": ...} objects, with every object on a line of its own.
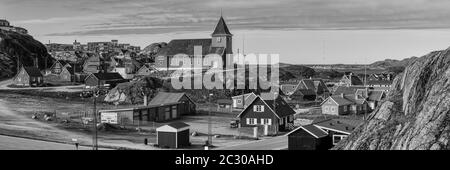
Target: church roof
[
  {"x": 186, "y": 46},
  {"x": 221, "y": 28}
]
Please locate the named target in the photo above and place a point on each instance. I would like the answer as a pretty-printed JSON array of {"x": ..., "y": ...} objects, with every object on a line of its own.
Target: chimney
[{"x": 342, "y": 95}]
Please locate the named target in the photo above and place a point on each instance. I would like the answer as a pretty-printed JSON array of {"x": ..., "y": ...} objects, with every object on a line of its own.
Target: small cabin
[
  {"x": 309, "y": 137},
  {"x": 173, "y": 135}
]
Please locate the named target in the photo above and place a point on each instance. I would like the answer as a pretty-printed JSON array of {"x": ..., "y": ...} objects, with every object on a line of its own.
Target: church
[{"x": 220, "y": 43}]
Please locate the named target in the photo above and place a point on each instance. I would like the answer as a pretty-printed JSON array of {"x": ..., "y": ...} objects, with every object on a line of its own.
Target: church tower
[{"x": 221, "y": 37}]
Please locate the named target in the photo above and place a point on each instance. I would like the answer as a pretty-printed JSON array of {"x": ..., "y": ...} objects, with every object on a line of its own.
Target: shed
[
  {"x": 309, "y": 137},
  {"x": 224, "y": 105},
  {"x": 104, "y": 79},
  {"x": 173, "y": 135}
]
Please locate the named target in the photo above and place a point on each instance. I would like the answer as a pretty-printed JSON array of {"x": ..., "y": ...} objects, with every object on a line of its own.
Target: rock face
[
  {"x": 16, "y": 47},
  {"x": 416, "y": 113}
]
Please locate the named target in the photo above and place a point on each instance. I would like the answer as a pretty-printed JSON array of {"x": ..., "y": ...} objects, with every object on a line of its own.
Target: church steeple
[{"x": 221, "y": 28}]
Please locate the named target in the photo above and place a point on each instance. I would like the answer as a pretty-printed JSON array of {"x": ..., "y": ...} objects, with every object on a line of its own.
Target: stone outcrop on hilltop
[{"x": 416, "y": 113}]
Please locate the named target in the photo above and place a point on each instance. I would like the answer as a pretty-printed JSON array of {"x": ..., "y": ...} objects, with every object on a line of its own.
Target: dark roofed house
[
  {"x": 338, "y": 129},
  {"x": 242, "y": 101},
  {"x": 220, "y": 43},
  {"x": 188, "y": 106},
  {"x": 270, "y": 116},
  {"x": 109, "y": 80},
  {"x": 309, "y": 137},
  {"x": 29, "y": 76},
  {"x": 317, "y": 85}
]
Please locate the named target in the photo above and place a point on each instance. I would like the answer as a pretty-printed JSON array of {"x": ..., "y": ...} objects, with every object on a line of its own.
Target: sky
[{"x": 300, "y": 31}]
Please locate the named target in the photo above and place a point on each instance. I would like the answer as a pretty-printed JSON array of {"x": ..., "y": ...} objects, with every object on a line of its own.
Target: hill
[
  {"x": 14, "y": 47},
  {"x": 416, "y": 113},
  {"x": 393, "y": 63}
]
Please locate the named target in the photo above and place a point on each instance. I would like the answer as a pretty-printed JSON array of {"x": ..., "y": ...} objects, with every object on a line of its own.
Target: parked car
[{"x": 234, "y": 124}]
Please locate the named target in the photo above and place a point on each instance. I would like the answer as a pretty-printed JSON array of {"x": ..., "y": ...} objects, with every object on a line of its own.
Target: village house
[
  {"x": 317, "y": 85},
  {"x": 29, "y": 76},
  {"x": 94, "y": 64},
  {"x": 187, "y": 105},
  {"x": 224, "y": 105},
  {"x": 345, "y": 105},
  {"x": 350, "y": 79},
  {"x": 108, "y": 80},
  {"x": 268, "y": 115},
  {"x": 309, "y": 137},
  {"x": 220, "y": 43},
  {"x": 145, "y": 70},
  {"x": 58, "y": 66},
  {"x": 242, "y": 101}
]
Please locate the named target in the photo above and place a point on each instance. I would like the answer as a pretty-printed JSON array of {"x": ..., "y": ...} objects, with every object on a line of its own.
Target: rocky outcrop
[
  {"x": 416, "y": 113},
  {"x": 15, "y": 47},
  {"x": 133, "y": 92}
]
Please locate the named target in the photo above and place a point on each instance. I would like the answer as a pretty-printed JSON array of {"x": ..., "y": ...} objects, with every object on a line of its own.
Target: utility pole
[
  {"x": 209, "y": 124},
  {"x": 95, "y": 94}
]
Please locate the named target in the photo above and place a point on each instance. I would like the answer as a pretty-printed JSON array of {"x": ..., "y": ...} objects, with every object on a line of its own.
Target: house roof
[
  {"x": 345, "y": 126},
  {"x": 224, "y": 101},
  {"x": 305, "y": 92},
  {"x": 221, "y": 28},
  {"x": 281, "y": 107},
  {"x": 178, "y": 125},
  {"x": 348, "y": 90},
  {"x": 33, "y": 71},
  {"x": 249, "y": 97},
  {"x": 165, "y": 98},
  {"x": 311, "y": 129},
  {"x": 379, "y": 82},
  {"x": 375, "y": 95},
  {"x": 340, "y": 100},
  {"x": 108, "y": 76},
  {"x": 288, "y": 88},
  {"x": 355, "y": 80},
  {"x": 186, "y": 46}
]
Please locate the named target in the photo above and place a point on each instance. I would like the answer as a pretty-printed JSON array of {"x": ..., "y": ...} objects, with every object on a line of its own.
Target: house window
[
  {"x": 266, "y": 121},
  {"x": 333, "y": 109},
  {"x": 327, "y": 109},
  {"x": 338, "y": 138},
  {"x": 239, "y": 101},
  {"x": 345, "y": 108},
  {"x": 258, "y": 108},
  {"x": 252, "y": 121},
  {"x": 219, "y": 39}
]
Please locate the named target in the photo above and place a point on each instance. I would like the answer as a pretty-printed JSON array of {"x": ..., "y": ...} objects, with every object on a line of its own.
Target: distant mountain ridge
[{"x": 394, "y": 63}]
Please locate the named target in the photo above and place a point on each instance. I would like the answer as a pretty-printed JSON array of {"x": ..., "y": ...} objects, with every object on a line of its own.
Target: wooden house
[
  {"x": 58, "y": 66},
  {"x": 345, "y": 105},
  {"x": 270, "y": 116},
  {"x": 188, "y": 106},
  {"x": 224, "y": 105},
  {"x": 29, "y": 76},
  {"x": 145, "y": 70},
  {"x": 109, "y": 80}
]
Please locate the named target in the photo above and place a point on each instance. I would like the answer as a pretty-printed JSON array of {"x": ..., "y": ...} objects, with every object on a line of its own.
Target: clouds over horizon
[{"x": 92, "y": 17}]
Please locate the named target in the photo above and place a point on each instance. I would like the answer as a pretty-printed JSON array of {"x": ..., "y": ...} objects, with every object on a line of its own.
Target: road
[
  {"x": 275, "y": 143},
  {"x": 15, "y": 143},
  {"x": 4, "y": 86}
]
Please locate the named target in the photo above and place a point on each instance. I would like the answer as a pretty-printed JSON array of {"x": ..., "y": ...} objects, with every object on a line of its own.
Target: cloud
[{"x": 103, "y": 16}]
